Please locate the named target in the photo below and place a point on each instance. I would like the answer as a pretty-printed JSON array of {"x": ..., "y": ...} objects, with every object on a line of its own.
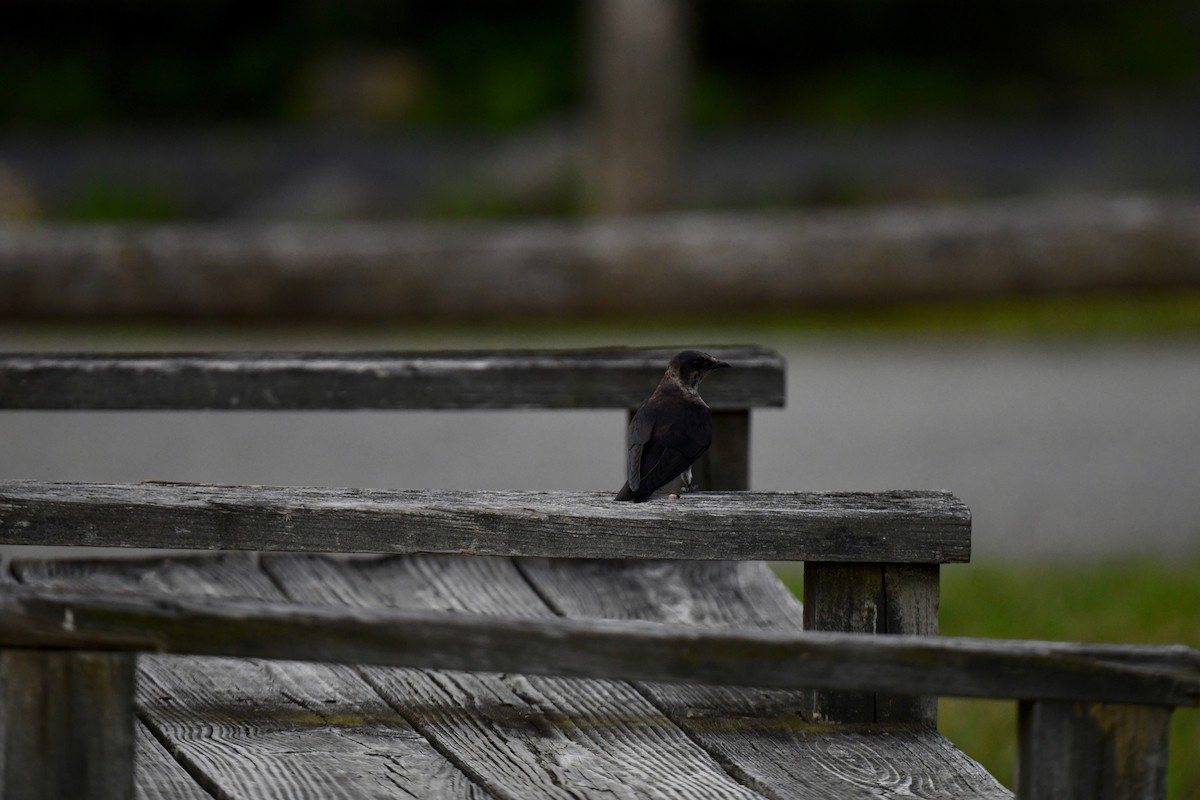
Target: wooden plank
[
  {"x": 597, "y": 378},
  {"x": 631, "y": 650},
  {"x": 902, "y": 527},
  {"x": 1092, "y": 751},
  {"x": 759, "y": 736},
  {"x": 523, "y": 736},
  {"x": 67, "y": 722},
  {"x": 158, "y": 776},
  {"x": 256, "y": 729},
  {"x": 742, "y": 595}
]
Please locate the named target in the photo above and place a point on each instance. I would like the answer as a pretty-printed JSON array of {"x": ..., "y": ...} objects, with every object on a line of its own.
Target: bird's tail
[{"x": 627, "y": 494}]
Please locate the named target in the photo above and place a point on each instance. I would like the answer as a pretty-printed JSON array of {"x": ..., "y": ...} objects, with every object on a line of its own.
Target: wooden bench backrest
[
  {"x": 504, "y": 379},
  {"x": 871, "y": 560}
]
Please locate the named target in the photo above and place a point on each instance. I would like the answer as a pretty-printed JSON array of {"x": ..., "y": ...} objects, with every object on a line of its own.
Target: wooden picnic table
[
  {"x": 367, "y": 643},
  {"x": 248, "y": 728}
]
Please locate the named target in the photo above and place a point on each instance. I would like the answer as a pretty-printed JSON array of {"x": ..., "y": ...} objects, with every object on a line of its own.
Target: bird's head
[{"x": 690, "y": 367}]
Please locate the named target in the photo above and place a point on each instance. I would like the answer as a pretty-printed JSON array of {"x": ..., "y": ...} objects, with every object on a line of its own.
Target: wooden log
[
  {"x": 899, "y": 527},
  {"x": 1092, "y": 751},
  {"x": 631, "y": 650},
  {"x": 68, "y": 727},
  {"x": 753, "y": 262},
  {"x": 598, "y": 378}
]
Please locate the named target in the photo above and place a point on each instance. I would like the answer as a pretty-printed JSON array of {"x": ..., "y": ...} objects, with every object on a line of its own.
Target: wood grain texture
[
  {"x": 634, "y": 650},
  {"x": 843, "y": 597},
  {"x": 598, "y": 378},
  {"x": 759, "y": 736},
  {"x": 1085, "y": 751},
  {"x": 902, "y": 527},
  {"x": 158, "y": 776},
  {"x": 911, "y": 594},
  {"x": 522, "y": 736},
  {"x": 256, "y": 729},
  {"x": 67, "y": 725},
  {"x": 872, "y": 598}
]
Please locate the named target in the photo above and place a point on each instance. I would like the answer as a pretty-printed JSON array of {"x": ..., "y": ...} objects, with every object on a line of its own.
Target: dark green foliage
[{"x": 494, "y": 65}]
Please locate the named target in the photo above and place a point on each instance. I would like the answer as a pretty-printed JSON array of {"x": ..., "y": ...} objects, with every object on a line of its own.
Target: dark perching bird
[{"x": 671, "y": 430}]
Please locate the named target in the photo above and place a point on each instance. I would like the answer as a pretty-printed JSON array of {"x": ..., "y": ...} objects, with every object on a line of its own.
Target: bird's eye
[{"x": 697, "y": 363}]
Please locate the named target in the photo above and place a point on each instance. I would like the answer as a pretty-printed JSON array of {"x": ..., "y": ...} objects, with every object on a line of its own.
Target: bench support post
[
  {"x": 871, "y": 598},
  {"x": 66, "y": 725},
  {"x": 726, "y": 465},
  {"x": 1072, "y": 751}
]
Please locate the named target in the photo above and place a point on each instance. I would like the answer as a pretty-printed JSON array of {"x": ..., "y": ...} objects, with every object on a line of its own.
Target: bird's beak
[{"x": 719, "y": 364}]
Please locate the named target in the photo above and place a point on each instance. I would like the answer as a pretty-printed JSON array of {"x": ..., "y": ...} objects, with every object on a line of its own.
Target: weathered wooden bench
[{"x": 515, "y": 644}]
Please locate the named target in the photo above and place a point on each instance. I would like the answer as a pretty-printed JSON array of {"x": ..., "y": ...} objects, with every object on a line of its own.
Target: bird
[{"x": 671, "y": 430}]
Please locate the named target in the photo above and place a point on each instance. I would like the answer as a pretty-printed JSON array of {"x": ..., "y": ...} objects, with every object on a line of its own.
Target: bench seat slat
[
  {"x": 595, "y": 378},
  {"x": 906, "y": 527}
]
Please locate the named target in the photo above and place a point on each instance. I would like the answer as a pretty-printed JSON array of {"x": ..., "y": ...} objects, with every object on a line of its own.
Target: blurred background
[{"x": 972, "y": 229}]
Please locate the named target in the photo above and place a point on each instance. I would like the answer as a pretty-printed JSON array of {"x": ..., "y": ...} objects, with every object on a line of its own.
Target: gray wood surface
[
  {"x": 257, "y": 729},
  {"x": 872, "y": 598},
  {"x": 843, "y": 597},
  {"x": 597, "y": 378},
  {"x": 911, "y": 594},
  {"x": 1085, "y": 751},
  {"x": 630, "y": 649},
  {"x": 522, "y": 735},
  {"x": 753, "y": 735},
  {"x": 157, "y": 774},
  {"x": 922, "y": 527},
  {"x": 66, "y": 725},
  {"x": 758, "y": 735}
]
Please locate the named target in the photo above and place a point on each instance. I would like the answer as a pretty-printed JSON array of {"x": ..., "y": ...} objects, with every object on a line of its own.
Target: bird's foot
[{"x": 688, "y": 484}]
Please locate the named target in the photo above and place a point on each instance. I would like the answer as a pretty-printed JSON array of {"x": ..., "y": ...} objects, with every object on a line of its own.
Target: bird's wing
[
  {"x": 659, "y": 466},
  {"x": 665, "y": 444},
  {"x": 641, "y": 427}
]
